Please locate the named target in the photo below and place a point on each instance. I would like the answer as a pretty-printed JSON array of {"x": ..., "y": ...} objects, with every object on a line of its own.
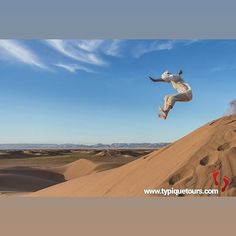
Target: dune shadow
[{"x": 27, "y": 179}]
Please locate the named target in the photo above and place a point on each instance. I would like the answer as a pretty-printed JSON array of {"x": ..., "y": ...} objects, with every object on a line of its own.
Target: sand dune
[
  {"x": 24, "y": 171},
  {"x": 187, "y": 163},
  {"x": 21, "y": 179},
  {"x": 76, "y": 169},
  {"x": 82, "y": 167}
]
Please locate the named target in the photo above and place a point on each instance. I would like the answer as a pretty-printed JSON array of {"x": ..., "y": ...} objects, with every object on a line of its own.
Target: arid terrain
[
  {"x": 26, "y": 171},
  {"x": 187, "y": 163}
]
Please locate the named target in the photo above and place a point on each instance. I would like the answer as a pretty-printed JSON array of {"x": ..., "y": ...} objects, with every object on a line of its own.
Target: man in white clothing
[{"x": 184, "y": 91}]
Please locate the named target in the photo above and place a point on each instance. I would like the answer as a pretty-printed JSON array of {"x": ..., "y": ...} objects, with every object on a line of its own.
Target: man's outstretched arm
[{"x": 156, "y": 80}]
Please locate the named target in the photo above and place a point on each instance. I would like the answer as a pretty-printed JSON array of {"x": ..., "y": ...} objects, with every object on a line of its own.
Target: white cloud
[
  {"x": 83, "y": 54},
  {"x": 90, "y": 45},
  {"x": 148, "y": 47},
  {"x": 108, "y": 47},
  {"x": 221, "y": 68},
  {"x": 71, "y": 49},
  {"x": 12, "y": 49},
  {"x": 73, "y": 68},
  {"x": 191, "y": 41},
  {"x": 89, "y": 52},
  {"x": 113, "y": 48}
]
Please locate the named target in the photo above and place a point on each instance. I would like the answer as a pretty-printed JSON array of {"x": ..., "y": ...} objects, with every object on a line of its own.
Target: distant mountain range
[{"x": 81, "y": 146}]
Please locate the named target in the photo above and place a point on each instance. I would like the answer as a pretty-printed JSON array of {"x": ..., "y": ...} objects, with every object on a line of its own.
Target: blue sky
[{"x": 97, "y": 91}]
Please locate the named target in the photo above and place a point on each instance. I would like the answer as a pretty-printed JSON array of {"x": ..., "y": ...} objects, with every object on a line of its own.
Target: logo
[{"x": 226, "y": 180}]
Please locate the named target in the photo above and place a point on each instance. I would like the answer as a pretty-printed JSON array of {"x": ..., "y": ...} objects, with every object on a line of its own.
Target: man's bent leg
[
  {"x": 183, "y": 97},
  {"x": 171, "y": 99},
  {"x": 169, "y": 102}
]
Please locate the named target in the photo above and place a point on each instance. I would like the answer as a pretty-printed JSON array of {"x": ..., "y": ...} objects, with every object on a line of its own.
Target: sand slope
[
  {"x": 82, "y": 167},
  {"x": 16, "y": 180},
  {"x": 76, "y": 169},
  {"x": 188, "y": 162}
]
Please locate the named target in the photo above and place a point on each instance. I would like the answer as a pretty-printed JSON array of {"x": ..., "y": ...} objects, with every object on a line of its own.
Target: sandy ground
[
  {"x": 26, "y": 171},
  {"x": 187, "y": 163}
]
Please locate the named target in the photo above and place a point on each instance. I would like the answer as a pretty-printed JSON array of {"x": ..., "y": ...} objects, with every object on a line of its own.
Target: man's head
[{"x": 165, "y": 75}]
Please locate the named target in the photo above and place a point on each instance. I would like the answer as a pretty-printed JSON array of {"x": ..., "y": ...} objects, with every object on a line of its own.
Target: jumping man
[{"x": 184, "y": 91}]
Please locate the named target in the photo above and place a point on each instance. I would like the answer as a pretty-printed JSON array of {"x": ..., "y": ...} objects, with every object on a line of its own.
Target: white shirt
[{"x": 178, "y": 83}]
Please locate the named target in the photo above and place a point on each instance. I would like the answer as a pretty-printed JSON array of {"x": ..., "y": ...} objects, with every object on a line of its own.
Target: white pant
[{"x": 179, "y": 97}]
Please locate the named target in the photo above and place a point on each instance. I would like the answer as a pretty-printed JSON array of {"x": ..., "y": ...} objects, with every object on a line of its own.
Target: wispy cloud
[
  {"x": 191, "y": 41},
  {"x": 12, "y": 49},
  {"x": 72, "y": 49},
  {"x": 86, "y": 55},
  {"x": 108, "y": 47},
  {"x": 148, "y": 47},
  {"x": 90, "y": 45},
  {"x": 113, "y": 48},
  {"x": 159, "y": 45},
  {"x": 221, "y": 68},
  {"x": 218, "y": 68},
  {"x": 85, "y": 52},
  {"x": 73, "y": 68}
]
